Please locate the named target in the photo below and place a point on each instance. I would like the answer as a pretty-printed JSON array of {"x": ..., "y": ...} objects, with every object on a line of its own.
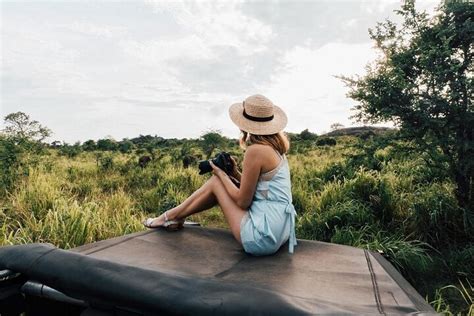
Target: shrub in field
[
  {"x": 405, "y": 254},
  {"x": 37, "y": 193},
  {"x": 417, "y": 169},
  {"x": 461, "y": 261},
  {"x": 307, "y": 135},
  {"x": 89, "y": 145},
  {"x": 125, "y": 146},
  {"x": 69, "y": 223},
  {"x": 111, "y": 182},
  {"x": 326, "y": 141},
  {"x": 368, "y": 188},
  {"x": 363, "y": 159},
  {"x": 335, "y": 171},
  {"x": 138, "y": 178},
  {"x": 106, "y": 163},
  {"x": 84, "y": 188},
  {"x": 321, "y": 224},
  {"x": 70, "y": 150},
  {"x": 394, "y": 208},
  {"x": 331, "y": 194},
  {"x": 106, "y": 144},
  {"x": 449, "y": 295},
  {"x": 302, "y": 201},
  {"x": 435, "y": 215},
  {"x": 9, "y": 161}
]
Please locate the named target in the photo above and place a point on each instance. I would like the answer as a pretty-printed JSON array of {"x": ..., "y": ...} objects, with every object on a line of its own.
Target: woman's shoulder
[
  {"x": 258, "y": 152},
  {"x": 263, "y": 155},
  {"x": 259, "y": 148}
]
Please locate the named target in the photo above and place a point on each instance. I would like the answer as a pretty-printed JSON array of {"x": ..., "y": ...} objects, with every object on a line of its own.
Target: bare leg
[
  {"x": 232, "y": 212},
  {"x": 201, "y": 199},
  {"x": 205, "y": 197}
]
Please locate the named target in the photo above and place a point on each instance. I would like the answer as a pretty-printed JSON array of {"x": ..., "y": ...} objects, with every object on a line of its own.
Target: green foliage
[
  {"x": 322, "y": 225},
  {"x": 210, "y": 141},
  {"x": 443, "y": 296},
  {"x": 371, "y": 194},
  {"x": 423, "y": 81},
  {"x": 19, "y": 126},
  {"x": 9, "y": 162},
  {"x": 89, "y": 145},
  {"x": 20, "y": 142},
  {"x": 106, "y": 163},
  {"x": 307, "y": 135},
  {"x": 405, "y": 254},
  {"x": 70, "y": 150},
  {"x": 125, "y": 146},
  {"x": 106, "y": 144},
  {"x": 326, "y": 141}
]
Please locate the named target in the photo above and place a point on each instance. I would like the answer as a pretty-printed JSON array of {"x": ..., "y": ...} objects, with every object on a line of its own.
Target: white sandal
[{"x": 168, "y": 224}]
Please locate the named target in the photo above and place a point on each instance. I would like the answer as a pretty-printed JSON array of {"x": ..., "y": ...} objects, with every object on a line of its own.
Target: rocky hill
[{"x": 359, "y": 130}]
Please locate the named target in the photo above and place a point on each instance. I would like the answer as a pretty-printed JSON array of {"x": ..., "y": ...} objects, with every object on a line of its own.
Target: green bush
[
  {"x": 435, "y": 216},
  {"x": 323, "y": 223},
  {"x": 364, "y": 194},
  {"x": 9, "y": 161},
  {"x": 106, "y": 163},
  {"x": 326, "y": 141},
  {"x": 368, "y": 188}
]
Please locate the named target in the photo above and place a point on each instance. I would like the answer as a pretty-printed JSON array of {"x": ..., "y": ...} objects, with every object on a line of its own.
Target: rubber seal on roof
[
  {"x": 374, "y": 283},
  {"x": 37, "y": 259},
  {"x": 406, "y": 287}
]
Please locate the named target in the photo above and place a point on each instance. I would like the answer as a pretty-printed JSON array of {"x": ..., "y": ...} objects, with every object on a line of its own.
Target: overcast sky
[{"x": 92, "y": 69}]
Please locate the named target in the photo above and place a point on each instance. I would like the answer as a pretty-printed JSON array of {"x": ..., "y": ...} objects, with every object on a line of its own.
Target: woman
[{"x": 260, "y": 213}]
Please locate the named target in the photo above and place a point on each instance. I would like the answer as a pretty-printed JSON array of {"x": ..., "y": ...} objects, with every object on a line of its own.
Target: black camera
[{"x": 223, "y": 161}]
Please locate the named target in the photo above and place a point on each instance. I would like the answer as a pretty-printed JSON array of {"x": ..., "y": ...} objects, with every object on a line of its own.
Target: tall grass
[{"x": 386, "y": 202}]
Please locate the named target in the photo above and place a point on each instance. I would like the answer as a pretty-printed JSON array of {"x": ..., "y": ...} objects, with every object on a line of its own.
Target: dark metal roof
[{"x": 205, "y": 271}]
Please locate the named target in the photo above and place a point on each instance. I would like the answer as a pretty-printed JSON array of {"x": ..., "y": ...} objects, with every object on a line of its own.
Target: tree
[
  {"x": 423, "y": 83},
  {"x": 125, "y": 146},
  {"x": 210, "y": 141},
  {"x": 307, "y": 135},
  {"x": 70, "y": 151},
  {"x": 106, "y": 144},
  {"x": 336, "y": 126},
  {"x": 89, "y": 145},
  {"x": 56, "y": 144},
  {"x": 326, "y": 141},
  {"x": 19, "y": 126},
  {"x": 20, "y": 137},
  {"x": 10, "y": 160}
]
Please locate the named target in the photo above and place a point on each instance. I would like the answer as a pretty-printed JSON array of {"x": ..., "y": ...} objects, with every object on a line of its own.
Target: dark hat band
[
  {"x": 258, "y": 119},
  {"x": 255, "y": 118}
]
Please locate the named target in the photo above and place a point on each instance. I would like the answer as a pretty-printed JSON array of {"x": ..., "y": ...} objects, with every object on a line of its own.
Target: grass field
[{"x": 350, "y": 193}]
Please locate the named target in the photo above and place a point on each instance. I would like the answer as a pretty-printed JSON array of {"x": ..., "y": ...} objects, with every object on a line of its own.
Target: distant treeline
[{"x": 144, "y": 142}]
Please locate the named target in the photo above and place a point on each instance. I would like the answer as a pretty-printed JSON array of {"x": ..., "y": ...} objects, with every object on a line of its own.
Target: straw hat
[{"x": 258, "y": 115}]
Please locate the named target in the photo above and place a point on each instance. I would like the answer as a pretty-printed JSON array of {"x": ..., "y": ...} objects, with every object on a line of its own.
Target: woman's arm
[
  {"x": 235, "y": 172},
  {"x": 230, "y": 187},
  {"x": 251, "y": 166}
]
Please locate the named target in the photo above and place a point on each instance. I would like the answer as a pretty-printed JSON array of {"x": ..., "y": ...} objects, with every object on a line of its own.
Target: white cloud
[
  {"x": 218, "y": 24},
  {"x": 157, "y": 52},
  {"x": 91, "y": 69},
  {"x": 350, "y": 23},
  {"x": 307, "y": 89},
  {"x": 101, "y": 31}
]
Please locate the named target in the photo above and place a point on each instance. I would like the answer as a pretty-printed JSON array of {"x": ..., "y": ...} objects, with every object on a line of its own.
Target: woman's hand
[{"x": 216, "y": 170}]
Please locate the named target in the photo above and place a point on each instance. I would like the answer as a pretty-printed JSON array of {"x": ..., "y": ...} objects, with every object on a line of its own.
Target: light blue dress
[{"x": 270, "y": 220}]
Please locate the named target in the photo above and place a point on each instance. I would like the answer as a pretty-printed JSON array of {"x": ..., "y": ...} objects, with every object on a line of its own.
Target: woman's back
[
  {"x": 275, "y": 185},
  {"x": 271, "y": 218}
]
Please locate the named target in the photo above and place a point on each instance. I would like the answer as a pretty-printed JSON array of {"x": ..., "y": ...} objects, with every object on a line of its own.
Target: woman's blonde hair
[{"x": 278, "y": 141}]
